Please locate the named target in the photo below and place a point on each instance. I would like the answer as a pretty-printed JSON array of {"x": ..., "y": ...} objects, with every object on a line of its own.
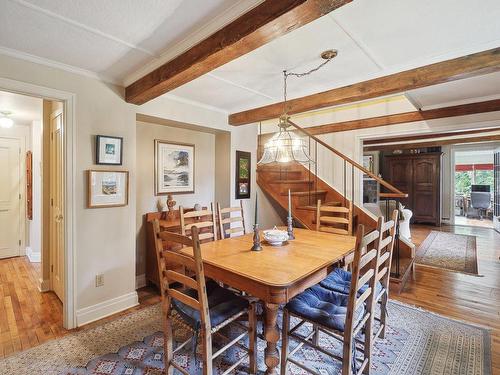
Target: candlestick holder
[
  {"x": 291, "y": 236},
  {"x": 256, "y": 238}
]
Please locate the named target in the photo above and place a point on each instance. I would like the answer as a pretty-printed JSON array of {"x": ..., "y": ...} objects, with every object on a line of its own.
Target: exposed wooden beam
[
  {"x": 445, "y": 71},
  {"x": 417, "y": 137},
  {"x": 402, "y": 118},
  {"x": 443, "y": 142},
  {"x": 267, "y": 21}
]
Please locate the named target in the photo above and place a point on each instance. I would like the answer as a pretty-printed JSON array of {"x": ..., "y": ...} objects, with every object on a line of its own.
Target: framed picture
[
  {"x": 107, "y": 188},
  {"x": 243, "y": 174},
  {"x": 108, "y": 150},
  {"x": 174, "y": 168}
]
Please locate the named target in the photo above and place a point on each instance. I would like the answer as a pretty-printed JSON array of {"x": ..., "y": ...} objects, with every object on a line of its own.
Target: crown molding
[{"x": 55, "y": 64}]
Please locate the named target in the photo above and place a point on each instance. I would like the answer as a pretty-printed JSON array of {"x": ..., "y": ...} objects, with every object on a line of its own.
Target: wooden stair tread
[
  {"x": 313, "y": 207},
  {"x": 305, "y": 193},
  {"x": 291, "y": 182}
]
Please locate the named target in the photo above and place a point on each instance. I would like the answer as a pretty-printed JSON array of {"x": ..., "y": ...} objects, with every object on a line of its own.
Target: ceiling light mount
[{"x": 329, "y": 54}]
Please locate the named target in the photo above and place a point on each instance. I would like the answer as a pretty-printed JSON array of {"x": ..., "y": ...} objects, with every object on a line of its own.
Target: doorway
[
  {"x": 473, "y": 172},
  {"x": 32, "y": 237}
]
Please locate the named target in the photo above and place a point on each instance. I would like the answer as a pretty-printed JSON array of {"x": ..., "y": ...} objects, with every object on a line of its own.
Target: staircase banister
[{"x": 396, "y": 193}]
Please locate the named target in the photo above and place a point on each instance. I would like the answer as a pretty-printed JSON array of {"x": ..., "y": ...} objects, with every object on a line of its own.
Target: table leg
[{"x": 272, "y": 335}]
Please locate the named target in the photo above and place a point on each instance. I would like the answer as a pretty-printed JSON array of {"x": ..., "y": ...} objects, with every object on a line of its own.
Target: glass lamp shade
[
  {"x": 6, "y": 122},
  {"x": 284, "y": 147}
]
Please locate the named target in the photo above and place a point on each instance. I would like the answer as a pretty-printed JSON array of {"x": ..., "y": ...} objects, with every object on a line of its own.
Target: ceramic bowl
[{"x": 275, "y": 237}]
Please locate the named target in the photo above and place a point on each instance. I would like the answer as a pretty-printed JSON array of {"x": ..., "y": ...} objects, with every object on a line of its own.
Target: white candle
[{"x": 289, "y": 204}]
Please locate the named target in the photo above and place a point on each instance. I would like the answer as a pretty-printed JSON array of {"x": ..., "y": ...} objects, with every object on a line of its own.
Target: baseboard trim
[
  {"x": 140, "y": 281},
  {"x": 32, "y": 256},
  {"x": 44, "y": 285},
  {"x": 103, "y": 309}
]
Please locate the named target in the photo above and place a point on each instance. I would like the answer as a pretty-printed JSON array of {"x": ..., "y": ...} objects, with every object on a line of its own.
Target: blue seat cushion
[
  {"x": 222, "y": 303},
  {"x": 323, "y": 306},
  {"x": 339, "y": 280}
]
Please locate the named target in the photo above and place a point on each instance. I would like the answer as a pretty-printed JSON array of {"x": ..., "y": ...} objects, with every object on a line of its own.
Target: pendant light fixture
[
  {"x": 5, "y": 121},
  {"x": 286, "y": 146}
]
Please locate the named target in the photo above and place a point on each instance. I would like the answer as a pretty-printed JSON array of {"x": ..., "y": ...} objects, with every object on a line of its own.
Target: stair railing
[{"x": 392, "y": 192}]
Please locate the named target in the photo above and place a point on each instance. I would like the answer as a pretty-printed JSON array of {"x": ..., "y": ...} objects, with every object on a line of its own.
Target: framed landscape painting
[
  {"x": 107, "y": 188},
  {"x": 243, "y": 174},
  {"x": 108, "y": 150},
  {"x": 174, "y": 168}
]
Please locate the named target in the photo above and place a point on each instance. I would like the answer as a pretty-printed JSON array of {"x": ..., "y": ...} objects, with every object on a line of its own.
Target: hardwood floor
[
  {"x": 459, "y": 296},
  {"x": 28, "y": 317}
]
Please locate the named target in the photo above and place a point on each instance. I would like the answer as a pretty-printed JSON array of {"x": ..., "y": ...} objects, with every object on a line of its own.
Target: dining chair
[
  {"x": 339, "y": 280},
  {"x": 203, "y": 306},
  {"x": 333, "y": 219},
  {"x": 226, "y": 218},
  {"x": 341, "y": 316},
  {"x": 203, "y": 219},
  {"x": 387, "y": 239}
]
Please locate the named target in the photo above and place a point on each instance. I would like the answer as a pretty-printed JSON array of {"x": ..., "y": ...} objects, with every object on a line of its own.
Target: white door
[
  {"x": 10, "y": 198},
  {"x": 56, "y": 238}
]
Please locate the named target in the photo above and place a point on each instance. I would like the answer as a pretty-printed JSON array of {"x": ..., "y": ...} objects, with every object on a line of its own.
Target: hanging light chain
[{"x": 287, "y": 74}]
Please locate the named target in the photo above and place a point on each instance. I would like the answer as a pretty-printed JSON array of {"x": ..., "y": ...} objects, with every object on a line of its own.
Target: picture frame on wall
[
  {"x": 174, "y": 167},
  {"x": 107, "y": 188},
  {"x": 243, "y": 174},
  {"x": 108, "y": 150}
]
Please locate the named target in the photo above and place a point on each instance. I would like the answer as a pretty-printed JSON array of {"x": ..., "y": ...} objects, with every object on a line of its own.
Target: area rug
[
  {"x": 417, "y": 342},
  {"x": 454, "y": 252}
]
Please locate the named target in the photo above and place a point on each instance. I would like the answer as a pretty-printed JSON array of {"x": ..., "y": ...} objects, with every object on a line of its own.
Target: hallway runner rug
[
  {"x": 454, "y": 252},
  {"x": 417, "y": 342}
]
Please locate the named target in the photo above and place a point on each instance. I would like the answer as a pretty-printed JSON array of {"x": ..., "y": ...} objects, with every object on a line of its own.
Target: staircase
[{"x": 306, "y": 188}]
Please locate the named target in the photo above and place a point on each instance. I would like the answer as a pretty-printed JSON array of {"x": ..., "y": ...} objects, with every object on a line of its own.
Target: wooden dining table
[{"x": 275, "y": 274}]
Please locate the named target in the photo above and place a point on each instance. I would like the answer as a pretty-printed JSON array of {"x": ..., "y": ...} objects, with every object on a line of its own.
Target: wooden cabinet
[{"x": 419, "y": 176}]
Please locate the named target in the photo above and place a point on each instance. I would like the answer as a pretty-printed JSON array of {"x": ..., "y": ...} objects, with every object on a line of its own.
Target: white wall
[
  {"x": 104, "y": 239},
  {"x": 35, "y": 225},
  {"x": 204, "y": 174}
]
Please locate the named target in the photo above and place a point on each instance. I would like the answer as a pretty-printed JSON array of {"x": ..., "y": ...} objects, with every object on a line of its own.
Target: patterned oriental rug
[
  {"x": 454, "y": 252},
  {"x": 417, "y": 342}
]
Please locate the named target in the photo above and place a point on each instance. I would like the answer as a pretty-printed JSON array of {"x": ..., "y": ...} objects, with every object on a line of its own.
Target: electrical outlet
[{"x": 99, "y": 280}]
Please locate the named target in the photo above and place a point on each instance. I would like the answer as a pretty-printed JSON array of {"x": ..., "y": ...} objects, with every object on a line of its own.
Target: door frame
[{"x": 69, "y": 182}]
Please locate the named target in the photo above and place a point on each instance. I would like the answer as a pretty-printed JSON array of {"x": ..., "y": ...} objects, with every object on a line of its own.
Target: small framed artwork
[
  {"x": 107, "y": 188},
  {"x": 174, "y": 168},
  {"x": 243, "y": 174},
  {"x": 108, "y": 150}
]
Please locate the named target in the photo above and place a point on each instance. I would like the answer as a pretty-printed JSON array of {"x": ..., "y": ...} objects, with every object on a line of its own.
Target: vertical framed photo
[
  {"x": 108, "y": 150},
  {"x": 243, "y": 174},
  {"x": 174, "y": 168},
  {"x": 107, "y": 188}
]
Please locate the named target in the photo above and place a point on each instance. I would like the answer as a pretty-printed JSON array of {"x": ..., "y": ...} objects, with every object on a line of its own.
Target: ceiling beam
[
  {"x": 443, "y": 142},
  {"x": 418, "y": 137},
  {"x": 403, "y": 118},
  {"x": 433, "y": 74},
  {"x": 267, "y": 21}
]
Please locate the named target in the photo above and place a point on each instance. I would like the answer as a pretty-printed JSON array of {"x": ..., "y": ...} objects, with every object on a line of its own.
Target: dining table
[{"x": 275, "y": 274}]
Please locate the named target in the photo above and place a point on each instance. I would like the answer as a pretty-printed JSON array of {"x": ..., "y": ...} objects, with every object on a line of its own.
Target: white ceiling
[
  {"x": 25, "y": 109},
  {"x": 120, "y": 40},
  {"x": 111, "y": 39}
]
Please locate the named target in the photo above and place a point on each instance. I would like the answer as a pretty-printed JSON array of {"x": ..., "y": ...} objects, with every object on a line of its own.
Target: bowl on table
[{"x": 275, "y": 236}]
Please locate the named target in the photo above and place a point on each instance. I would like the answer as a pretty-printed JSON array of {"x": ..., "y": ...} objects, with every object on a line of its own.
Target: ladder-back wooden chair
[
  {"x": 204, "y": 220},
  {"x": 387, "y": 240},
  {"x": 226, "y": 218},
  {"x": 203, "y": 306},
  {"x": 333, "y": 219},
  {"x": 338, "y": 315}
]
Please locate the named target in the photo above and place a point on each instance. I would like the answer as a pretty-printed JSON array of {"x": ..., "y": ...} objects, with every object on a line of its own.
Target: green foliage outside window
[{"x": 463, "y": 180}]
